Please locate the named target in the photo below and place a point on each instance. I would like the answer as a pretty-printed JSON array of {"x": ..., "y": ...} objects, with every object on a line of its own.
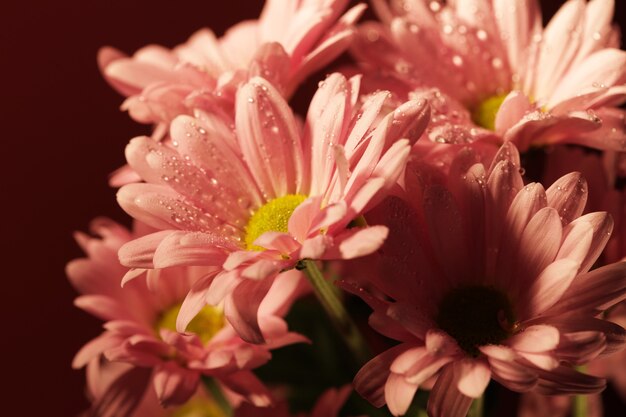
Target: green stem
[
  {"x": 477, "y": 408},
  {"x": 579, "y": 402},
  {"x": 218, "y": 395},
  {"x": 579, "y": 406},
  {"x": 327, "y": 297},
  {"x": 422, "y": 413}
]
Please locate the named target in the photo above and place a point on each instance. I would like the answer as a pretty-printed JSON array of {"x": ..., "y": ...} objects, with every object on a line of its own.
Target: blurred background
[{"x": 62, "y": 134}]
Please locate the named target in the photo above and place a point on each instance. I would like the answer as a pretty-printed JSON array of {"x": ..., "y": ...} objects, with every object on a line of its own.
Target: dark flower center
[{"x": 476, "y": 316}]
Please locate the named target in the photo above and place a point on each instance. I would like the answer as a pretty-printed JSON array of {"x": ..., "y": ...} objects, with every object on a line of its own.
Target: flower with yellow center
[
  {"x": 255, "y": 200},
  {"x": 208, "y": 322},
  {"x": 484, "y": 114},
  {"x": 271, "y": 217}
]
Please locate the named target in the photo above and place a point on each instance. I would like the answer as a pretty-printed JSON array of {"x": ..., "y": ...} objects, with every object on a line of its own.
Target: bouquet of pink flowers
[{"x": 445, "y": 225}]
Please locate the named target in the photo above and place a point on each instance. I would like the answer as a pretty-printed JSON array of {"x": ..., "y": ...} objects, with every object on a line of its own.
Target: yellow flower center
[
  {"x": 271, "y": 217},
  {"x": 205, "y": 325},
  {"x": 485, "y": 114},
  {"x": 198, "y": 407}
]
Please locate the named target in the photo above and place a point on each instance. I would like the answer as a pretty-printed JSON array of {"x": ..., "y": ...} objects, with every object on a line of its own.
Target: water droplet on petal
[{"x": 435, "y": 6}]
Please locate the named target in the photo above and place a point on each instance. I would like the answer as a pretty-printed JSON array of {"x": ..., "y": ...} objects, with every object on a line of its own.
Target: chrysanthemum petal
[
  {"x": 550, "y": 286},
  {"x": 241, "y": 308},
  {"x": 445, "y": 399},
  {"x": 399, "y": 394},
  {"x": 194, "y": 301},
  {"x": 267, "y": 136},
  {"x": 139, "y": 253},
  {"x": 568, "y": 195},
  {"x": 124, "y": 394},
  {"x": 357, "y": 242},
  {"x": 566, "y": 381},
  {"x": 369, "y": 382},
  {"x": 473, "y": 376},
  {"x": 174, "y": 385},
  {"x": 594, "y": 291},
  {"x": 513, "y": 108}
]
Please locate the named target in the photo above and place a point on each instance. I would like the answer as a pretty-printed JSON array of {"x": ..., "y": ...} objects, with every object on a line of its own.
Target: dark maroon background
[{"x": 62, "y": 133}]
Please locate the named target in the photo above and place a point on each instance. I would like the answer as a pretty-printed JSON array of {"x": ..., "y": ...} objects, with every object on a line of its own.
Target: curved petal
[
  {"x": 269, "y": 138},
  {"x": 175, "y": 385},
  {"x": 399, "y": 394},
  {"x": 209, "y": 143},
  {"x": 568, "y": 195},
  {"x": 194, "y": 301},
  {"x": 445, "y": 399},
  {"x": 242, "y": 306},
  {"x": 566, "y": 381},
  {"x": 557, "y": 51},
  {"x": 605, "y": 67},
  {"x": 473, "y": 376},
  {"x": 538, "y": 247},
  {"x": 246, "y": 384},
  {"x": 123, "y": 395},
  {"x": 550, "y": 286},
  {"x": 358, "y": 242},
  {"x": 511, "y": 111},
  {"x": 191, "y": 249},
  {"x": 594, "y": 291},
  {"x": 535, "y": 339},
  {"x": 139, "y": 253},
  {"x": 370, "y": 381}
]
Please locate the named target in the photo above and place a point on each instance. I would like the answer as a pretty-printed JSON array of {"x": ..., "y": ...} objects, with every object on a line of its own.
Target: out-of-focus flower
[
  {"x": 613, "y": 367},
  {"x": 262, "y": 197},
  {"x": 485, "y": 278},
  {"x": 102, "y": 373},
  {"x": 140, "y": 330},
  {"x": 328, "y": 405},
  {"x": 537, "y": 405},
  {"x": 290, "y": 40},
  {"x": 529, "y": 84},
  {"x": 601, "y": 171}
]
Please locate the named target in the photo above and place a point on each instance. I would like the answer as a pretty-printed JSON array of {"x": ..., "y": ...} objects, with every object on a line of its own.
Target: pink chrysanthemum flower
[
  {"x": 531, "y": 85},
  {"x": 328, "y": 405},
  {"x": 290, "y": 40},
  {"x": 140, "y": 330},
  {"x": 262, "y": 197},
  {"x": 485, "y": 278}
]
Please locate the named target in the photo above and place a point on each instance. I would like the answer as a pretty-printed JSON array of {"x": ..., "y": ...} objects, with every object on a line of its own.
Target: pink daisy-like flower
[
  {"x": 290, "y": 40},
  {"x": 262, "y": 197},
  {"x": 140, "y": 330},
  {"x": 486, "y": 278},
  {"x": 529, "y": 84}
]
